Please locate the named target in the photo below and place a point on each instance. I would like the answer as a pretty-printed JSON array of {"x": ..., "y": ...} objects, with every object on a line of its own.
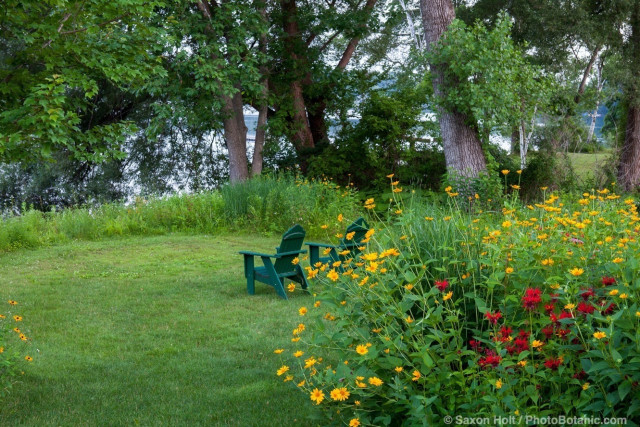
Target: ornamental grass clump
[
  {"x": 14, "y": 350},
  {"x": 531, "y": 310}
]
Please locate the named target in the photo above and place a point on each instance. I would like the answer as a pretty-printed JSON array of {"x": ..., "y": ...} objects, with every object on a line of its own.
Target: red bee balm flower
[
  {"x": 587, "y": 293},
  {"x": 553, "y": 363},
  {"x": 490, "y": 360},
  {"x": 441, "y": 285},
  {"x": 585, "y": 308},
  {"x": 531, "y": 298},
  {"x": 608, "y": 281},
  {"x": 493, "y": 318}
]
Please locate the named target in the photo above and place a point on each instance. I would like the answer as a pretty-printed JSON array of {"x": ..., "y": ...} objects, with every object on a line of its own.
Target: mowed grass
[
  {"x": 150, "y": 331},
  {"x": 585, "y": 165}
]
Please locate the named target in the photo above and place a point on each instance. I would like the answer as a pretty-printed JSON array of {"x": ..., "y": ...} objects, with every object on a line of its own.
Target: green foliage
[
  {"x": 13, "y": 351},
  {"x": 53, "y": 57},
  {"x": 265, "y": 205},
  {"x": 494, "y": 86},
  {"x": 533, "y": 310}
]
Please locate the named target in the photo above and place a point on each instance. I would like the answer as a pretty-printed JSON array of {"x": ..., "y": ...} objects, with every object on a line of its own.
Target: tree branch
[{"x": 351, "y": 47}]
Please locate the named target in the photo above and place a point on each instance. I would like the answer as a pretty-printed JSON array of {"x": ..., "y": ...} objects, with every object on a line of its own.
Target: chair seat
[{"x": 262, "y": 272}]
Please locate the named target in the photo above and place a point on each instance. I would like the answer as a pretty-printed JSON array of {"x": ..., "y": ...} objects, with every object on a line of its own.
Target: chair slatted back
[
  {"x": 360, "y": 227},
  {"x": 292, "y": 240}
]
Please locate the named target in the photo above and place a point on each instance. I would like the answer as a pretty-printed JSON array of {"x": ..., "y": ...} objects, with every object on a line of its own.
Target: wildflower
[
  {"x": 333, "y": 275},
  {"x": 317, "y": 396},
  {"x": 617, "y": 260},
  {"x": 278, "y": 351},
  {"x": 504, "y": 171},
  {"x": 490, "y": 360},
  {"x": 499, "y": 384},
  {"x": 515, "y": 187},
  {"x": 493, "y": 318},
  {"x": 23, "y": 337},
  {"x": 623, "y": 296},
  {"x": 613, "y": 292},
  {"x": 409, "y": 319},
  {"x": 340, "y": 218},
  {"x": 442, "y": 285},
  {"x": 553, "y": 364},
  {"x": 428, "y": 218},
  {"x": 28, "y": 358},
  {"x": 399, "y": 369},
  {"x": 362, "y": 350},
  {"x": 310, "y": 362},
  {"x": 576, "y": 271},
  {"x": 354, "y": 422},
  {"x": 585, "y": 386},
  {"x": 416, "y": 375},
  {"x": 17, "y": 318},
  {"x": 447, "y": 296},
  {"x": 537, "y": 344},
  {"x": 282, "y": 370},
  {"x": 522, "y": 363},
  {"x": 340, "y": 394},
  {"x": 599, "y": 335},
  {"x": 570, "y": 306},
  {"x": 375, "y": 381},
  {"x": 506, "y": 224},
  {"x": 288, "y": 378},
  {"x": 508, "y": 270},
  {"x": 302, "y": 311},
  {"x": 324, "y": 226},
  {"x": 291, "y": 287},
  {"x": 608, "y": 281},
  {"x": 531, "y": 298},
  {"x": 295, "y": 261},
  {"x": 390, "y": 175},
  {"x": 585, "y": 308}
]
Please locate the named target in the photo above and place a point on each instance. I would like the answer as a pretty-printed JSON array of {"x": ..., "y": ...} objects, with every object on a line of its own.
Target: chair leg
[
  {"x": 249, "y": 274},
  {"x": 303, "y": 279},
  {"x": 274, "y": 280}
]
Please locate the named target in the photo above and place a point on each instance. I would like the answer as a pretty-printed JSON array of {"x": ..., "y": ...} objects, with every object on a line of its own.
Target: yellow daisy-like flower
[
  {"x": 585, "y": 386},
  {"x": 354, "y": 422},
  {"x": 341, "y": 394},
  {"x": 505, "y": 171},
  {"x": 617, "y": 260},
  {"x": 599, "y": 335},
  {"x": 537, "y": 344},
  {"x": 375, "y": 381},
  {"x": 570, "y": 306},
  {"x": 416, "y": 375},
  {"x": 302, "y": 383},
  {"x": 317, "y": 396},
  {"x": 302, "y": 311},
  {"x": 291, "y": 287},
  {"x": 288, "y": 378},
  {"x": 624, "y": 296},
  {"x": 282, "y": 370},
  {"x": 575, "y": 271},
  {"x": 12, "y": 302},
  {"x": 508, "y": 270},
  {"x": 447, "y": 296},
  {"x": 409, "y": 319},
  {"x": 324, "y": 226},
  {"x": 499, "y": 384},
  {"x": 362, "y": 350},
  {"x": 23, "y": 337},
  {"x": 399, "y": 369},
  {"x": 17, "y": 318},
  {"x": 298, "y": 353},
  {"x": 295, "y": 261},
  {"x": 506, "y": 224},
  {"x": 613, "y": 292},
  {"x": 278, "y": 351},
  {"x": 310, "y": 362},
  {"x": 28, "y": 358},
  {"x": 350, "y": 235},
  {"x": 333, "y": 275},
  {"x": 340, "y": 218},
  {"x": 522, "y": 363}
]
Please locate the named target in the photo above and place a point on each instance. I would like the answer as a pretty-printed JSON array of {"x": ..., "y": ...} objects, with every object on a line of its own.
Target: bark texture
[
  {"x": 235, "y": 136},
  {"x": 462, "y": 149}
]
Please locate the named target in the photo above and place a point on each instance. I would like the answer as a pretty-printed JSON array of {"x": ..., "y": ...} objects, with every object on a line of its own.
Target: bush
[{"x": 529, "y": 311}]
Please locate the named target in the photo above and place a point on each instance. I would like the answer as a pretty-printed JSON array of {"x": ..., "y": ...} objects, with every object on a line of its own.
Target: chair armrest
[
  {"x": 257, "y": 254},
  {"x": 320, "y": 245}
]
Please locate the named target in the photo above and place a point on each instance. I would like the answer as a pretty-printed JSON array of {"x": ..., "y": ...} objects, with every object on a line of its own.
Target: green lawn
[
  {"x": 149, "y": 331},
  {"x": 585, "y": 164}
]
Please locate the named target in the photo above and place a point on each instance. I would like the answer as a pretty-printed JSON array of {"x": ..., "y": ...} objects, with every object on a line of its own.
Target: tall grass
[{"x": 267, "y": 205}]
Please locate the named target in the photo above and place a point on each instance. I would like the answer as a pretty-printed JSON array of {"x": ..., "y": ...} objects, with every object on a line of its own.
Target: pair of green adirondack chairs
[{"x": 279, "y": 266}]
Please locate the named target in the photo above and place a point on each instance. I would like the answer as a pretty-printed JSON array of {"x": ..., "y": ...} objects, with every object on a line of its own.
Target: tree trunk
[
  {"x": 629, "y": 168},
  {"x": 462, "y": 149},
  {"x": 263, "y": 110},
  {"x": 235, "y": 136},
  {"x": 594, "y": 115}
]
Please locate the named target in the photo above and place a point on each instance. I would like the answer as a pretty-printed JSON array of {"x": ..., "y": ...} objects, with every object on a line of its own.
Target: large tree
[{"x": 461, "y": 142}]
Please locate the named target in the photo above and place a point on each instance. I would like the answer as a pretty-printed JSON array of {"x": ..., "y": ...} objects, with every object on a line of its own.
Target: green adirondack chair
[
  {"x": 275, "y": 273},
  {"x": 359, "y": 227}
]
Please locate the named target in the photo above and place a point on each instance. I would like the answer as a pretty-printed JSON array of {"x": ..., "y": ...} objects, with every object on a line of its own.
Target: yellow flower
[
  {"x": 397, "y": 190},
  {"x": 296, "y": 339},
  {"x": 23, "y": 337},
  {"x": 17, "y": 318},
  {"x": 355, "y": 422},
  {"x": 446, "y": 218},
  {"x": 288, "y": 378},
  {"x": 618, "y": 260},
  {"x": 499, "y": 384},
  {"x": 505, "y": 171},
  {"x": 340, "y": 218},
  {"x": 508, "y": 270},
  {"x": 613, "y": 292},
  {"x": 416, "y": 375},
  {"x": 623, "y": 296},
  {"x": 333, "y": 275},
  {"x": 447, "y": 296},
  {"x": 282, "y": 370},
  {"x": 324, "y": 226},
  {"x": 519, "y": 171},
  {"x": 302, "y": 311},
  {"x": 12, "y": 302},
  {"x": 506, "y": 224},
  {"x": 515, "y": 187},
  {"x": 291, "y": 287},
  {"x": 340, "y": 394},
  {"x": 298, "y": 353},
  {"x": 362, "y": 350},
  {"x": 522, "y": 363},
  {"x": 428, "y": 218},
  {"x": 317, "y": 396},
  {"x": 375, "y": 381},
  {"x": 390, "y": 175},
  {"x": 317, "y": 304},
  {"x": 349, "y": 236},
  {"x": 28, "y": 358},
  {"x": 369, "y": 201},
  {"x": 295, "y": 261},
  {"x": 310, "y": 362},
  {"x": 278, "y": 351},
  {"x": 543, "y": 188},
  {"x": 585, "y": 386},
  {"x": 599, "y": 335},
  {"x": 537, "y": 344},
  {"x": 570, "y": 306},
  {"x": 408, "y": 287},
  {"x": 576, "y": 271},
  {"x": 399, "y": 369}
]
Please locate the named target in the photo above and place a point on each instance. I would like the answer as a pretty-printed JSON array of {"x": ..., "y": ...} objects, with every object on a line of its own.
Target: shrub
[{"x": 532, "y": 310}]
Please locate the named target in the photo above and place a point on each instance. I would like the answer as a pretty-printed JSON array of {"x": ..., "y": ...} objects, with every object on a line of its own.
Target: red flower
[
  {"x": 553, "y": 363},
  {"x": 548, "y": 331},
  {"x": 609, "y": 309},
  {"x": 608, "y": 281},
  {"x": 585, "y": 308},
  {"x": 490, "y": 360},
  {"x": 562, "y": 333},
  {"x": 587, "y": 293},
  {"x": 567, "y": 314},
  {"x": 493, "y": 318},
  {"x": 442, "y": 285},
  {"x": 549, "y": 307},
  {"x": 531, "y": 298},
  {"x": 580, "y": 375}
]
